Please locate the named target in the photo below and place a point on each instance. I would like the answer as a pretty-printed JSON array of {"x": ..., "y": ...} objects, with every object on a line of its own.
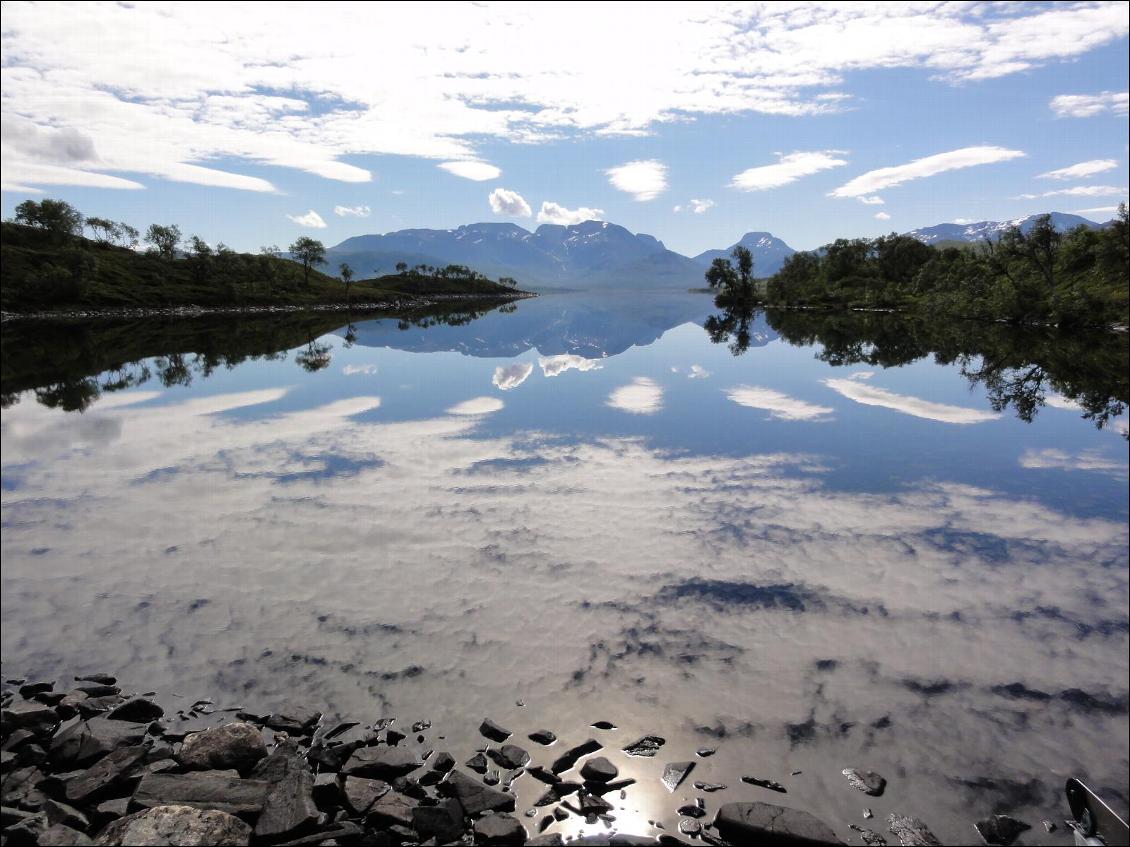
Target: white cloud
[
  {"x": 642, "y": 396},
  {"x": 788, "y": 168},
  {"x": 555, "y": 365},
  {"x": 697, "y": 372},
  {"x": 57, "y": 175},
  {"x": 644, "y": 180},
  {"x": 1081, "y": 170},
  {"x": 1086, "y": 460},
  {"x": 554, "y": 213},
  {"x": 882, "y": 216},
  {"x": 1097, "y": 210},
  {"x": 354, "y": 370},
  {"x": 476, "y": 406},
  {"x": 478, "y": 171},
  {"x": 966, "y": 157},
  {"x": 1078, "y": 191},
  {"x": 507, "y": 377},
  {"x": 701, "y": 206},
  {"x": 963, "y": 221},
  {"x": 873, "y": 200},
  {"x": 311, "y": 220},
  {"x": 352, "y": 211},
  {"x": 171, "y": 87},
  {"x": 869, "y": 395},
  {"x": 780, "y": 406},
  {"x": 1089, "y": 105},
  {"x": 506, "y": 202}
]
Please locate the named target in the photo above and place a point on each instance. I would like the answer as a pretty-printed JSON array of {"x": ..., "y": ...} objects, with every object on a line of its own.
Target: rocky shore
[
  {"x": 400, "y": 304},
  {"x": 90, "y": 763}
]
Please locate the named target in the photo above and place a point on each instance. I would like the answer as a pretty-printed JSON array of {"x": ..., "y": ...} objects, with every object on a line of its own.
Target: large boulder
[
  {"x": 382, "y": 762},
  {"x": 289, "y": 805},
  {"x": 499, "y": 829},
  {"x": 234, "y": 745},
  {"x": 475, "y": 797},
  {"x": 176, "y": 826},
  {"x": 747, "y": 823},
  {"x": 220, "y": 790}
]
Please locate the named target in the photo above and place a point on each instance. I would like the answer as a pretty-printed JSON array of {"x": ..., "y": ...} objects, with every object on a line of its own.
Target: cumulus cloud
[
  {"x": 870, "y": 395},
  {"x": 1089, "y": 105},
  {"x": 1078, "y": 191},
  {"x": 507, "y": 377},
  {"x": 967, "y": 157},
  {"x": 478, "y": 171},
  {"x": 555, "y": 213},
  {"x": 789, "y": 168},
  {"x": 503, "y": 201},
  {"x": 882, "y": 216},
  {"x": 697, "y": 372},
  {"x": 642, "y": 396},
  {"x": 352, "y": 211},
  {"x": 699, "y": 206},
  {"x": 556, "y": 365},
  {"x": 1082, "y": 170},
  {"x": 644, "y": 180},
  {"x": 311, "y": 220},
  {"x": 778, "y": 405}
]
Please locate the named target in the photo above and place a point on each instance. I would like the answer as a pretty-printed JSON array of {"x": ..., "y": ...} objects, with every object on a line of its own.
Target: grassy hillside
[{"x": 39, "y": 271}]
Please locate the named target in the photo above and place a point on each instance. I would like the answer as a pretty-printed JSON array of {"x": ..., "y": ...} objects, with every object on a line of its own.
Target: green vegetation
[
  {"x": 47, "y": 264},
  {"x": 1073, "y": 279}
]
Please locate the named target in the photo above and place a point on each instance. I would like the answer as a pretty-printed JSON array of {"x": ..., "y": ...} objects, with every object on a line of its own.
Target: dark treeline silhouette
[{"x": 1039, "y": 276}]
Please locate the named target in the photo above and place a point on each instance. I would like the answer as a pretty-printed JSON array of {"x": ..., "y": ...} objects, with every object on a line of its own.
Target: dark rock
[
  {"x": 112, "y": 769},
  {"x": 18, "y": 738},
  {"x": 10, "y": 815},
  {"x": 176, "y": 826},
  {"x": 420, "y": 726},
  {"x": 92, "y": 706},
  {"x": 30, "y": 689},
  {"x": 96, "y": 690},
  {"x": 599, "y": 769},
  {"x": 203, "y": 790},
  {"x": 570, "y": 757},
  {"x": 710, "y": 787},
  {"x": 491, "y": 777},
  {"x": 361, "y": 793},
  {"x": 690, "y": 826},
  {"x": 704, "y": 752},
  {"x": 233, "y": 745},
  {"x": 382, "y": 762},
  {"x": 99, "y": 678},
  {"x": 294, "y": 720},
  {"x": 137, "y": 710},
  {"x": 342, "y": 832},
  {"x": 499, "y": 829},
  {"x": 327, "y": 790},
  {"x": 606, "y": 725},
  {"x": 1000, "y": 829},
  {"x": 743, "y": 823},
  {"x": 83, "y": 742},
  {"x": 560, "y": 814},
  {"x": 478, "y": 763},
  {"x": 675, "y": 773},
  {"x": 442, "y": 762},
  {"x": 542, "y": 775},
  {"x": 331, "y": 757},
  {"x": 61, "y": 835},
  {"x": 20, "y": 788},
  {"x": 27, "y": 830},
  {"x": 868, "y": 782},
  {"x": 646, "y": 746},
  {"x": 112, "y": 809},
  {"x": 475, "y": 797},
  {"x": 510, "y": 756},
  {"x": 696, "y": 809},
  {"x": 542, "y": 736},
  {"x": 443, "y": 822},
  {"x": 289, "y": 804},
  {"x": 551, "y": 839},
  {"x": 765, "y": 783},
  {"x": 30, "y": 715},
  {"x": 392, "y": 737},
  {"x": 407, "y": 785},
  {"x": 392, "y": 808},
  {"x": 591, "y": 804},
  {"x": 493, "y": 731},
  {"x": 869, "y": 836},
  {"x": 911, "y": 832},
  {"x": 1049, "y": 826},
  {"x": 59, "y": 812}
]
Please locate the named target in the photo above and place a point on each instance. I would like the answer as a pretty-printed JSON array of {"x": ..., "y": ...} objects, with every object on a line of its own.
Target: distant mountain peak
[{"x": 1062, "y": 221}]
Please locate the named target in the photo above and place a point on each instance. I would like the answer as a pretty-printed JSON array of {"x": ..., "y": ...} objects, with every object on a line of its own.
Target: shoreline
[{"x": 400, "y": 304}]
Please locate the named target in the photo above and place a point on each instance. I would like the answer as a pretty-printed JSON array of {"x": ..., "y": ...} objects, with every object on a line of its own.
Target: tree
[
  {"x": 310, "y": 252},
  {"x": 402, "y": 268},
  {"x": 729, "y": 281},
  {"x": 346, "y": 277},
  {"x": 271, "y": 250},
  {"x": 103, "y": 229},
  {"x": 508, "y": 281},
  {"x": 164, "y": 239},
  {"x": 127, "y": 235},
  {"x": 57, "y": 217},
  {"x": 721, "y": 275}
]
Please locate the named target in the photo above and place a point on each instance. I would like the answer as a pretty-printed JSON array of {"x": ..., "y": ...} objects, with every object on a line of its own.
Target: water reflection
[{"x": 409, "y": 537}]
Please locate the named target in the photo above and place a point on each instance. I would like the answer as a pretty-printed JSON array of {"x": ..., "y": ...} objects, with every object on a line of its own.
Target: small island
[{"x": 51, "y": 268}]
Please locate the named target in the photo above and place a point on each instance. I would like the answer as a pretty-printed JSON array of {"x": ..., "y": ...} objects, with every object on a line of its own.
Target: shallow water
[{"x": 825, "y": 553}]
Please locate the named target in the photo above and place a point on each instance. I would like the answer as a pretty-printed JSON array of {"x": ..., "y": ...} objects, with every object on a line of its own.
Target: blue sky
[{"x": 692, "y": 123}]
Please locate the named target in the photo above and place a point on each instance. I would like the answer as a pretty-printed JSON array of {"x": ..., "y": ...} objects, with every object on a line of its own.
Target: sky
[{"x": 695, "y": 123}]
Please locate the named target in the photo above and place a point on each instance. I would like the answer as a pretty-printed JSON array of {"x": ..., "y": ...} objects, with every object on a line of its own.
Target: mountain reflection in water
[{"x": 607, "y": 519}]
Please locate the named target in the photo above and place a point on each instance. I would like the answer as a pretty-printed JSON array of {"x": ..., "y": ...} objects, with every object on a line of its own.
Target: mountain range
[{"x": 597, "y": 254}]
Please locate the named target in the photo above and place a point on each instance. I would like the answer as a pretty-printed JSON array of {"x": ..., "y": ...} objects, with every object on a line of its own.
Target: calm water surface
[{"x": 820, "y": 553}]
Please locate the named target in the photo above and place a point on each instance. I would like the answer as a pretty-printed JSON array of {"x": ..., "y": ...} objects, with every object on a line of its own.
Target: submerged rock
[
  {"x": 176, "y": 826},
  {"x": 869, "y": 836},
  {"x": 570, "y": 757},
  {"x": 647, "y": 746},
  {"x": 674, "y": 773},
  {"x": 744, "y": 823},
  {"x": 1000, "y": 829},
  {"x": 868, "y": 782},
  {"x": 233, "y": 745},
  {"x": 511, "y": 756},
  {"x": 542, "y": 736},
  {"x": 493, "y": 731},
  {"x": 911, "y": 832},
  {"x": 765, "y": 783}
]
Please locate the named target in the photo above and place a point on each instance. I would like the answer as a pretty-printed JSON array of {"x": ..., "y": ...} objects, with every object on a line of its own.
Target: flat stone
[
  {"x": 83, "y": 742},
  {"x": 647, "y": 746},
  {"x": 29, "y": 715},
  {"x": 361, "y": 793},
  {"x": 475, "y": 797},
  {"x": 114, "y": 768},
  {"x": 690, "y": 826},
  {"x": 510, "y": 756},
  {"x": 599, "y": 769},
  {"x": 176, "y": 826},
  {"x": 99, "y": 678},
  {"x": 92, "y": 706},
  {"x": 499, "y": 829},
  {"x": 696, "y": 809},
  {"x": 542, "y": 775},
  {"x": 443, "y": 822},
  {"x": 868, "y": 782},
  {"x": 996, "y": 829},
  {"x": 202, "y": 790},
  {"x": 343, "y": 832},
  {"x": 478, "y": 763},
  {"x": 393, "y": 808},
  {"x": 705, "y": 752},
  {"x": 869, "y": 836},
  {"x": 710, "y": 787},
  {"x": 61, "y": 835},
  {"x": 542, "y": 736},
  {"x": 675, "y": 772},
  {"x": 570, "y": 757},
  {"x": 233, "y": 745},
  {"x": 743, "y": 823},
  {"x": 493, "y": 731},
  {"x": 549, "y": 839},
  {"x": 289, "y": 804},
  {"x": 765, "y": 783},
  {"x": 442, "y": 762},
  {"x": 331, "y": 757},
  {"x": 382, "y": 762},
  {"x": 911, "y": 832},
  {"x": 605, "y": 725},
  {"x": 295, "y": 720},
  {"x": 137, "y": 710}
]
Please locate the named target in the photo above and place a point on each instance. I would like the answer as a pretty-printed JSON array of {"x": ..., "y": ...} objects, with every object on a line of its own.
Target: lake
[{"x": 810, "y": 541}]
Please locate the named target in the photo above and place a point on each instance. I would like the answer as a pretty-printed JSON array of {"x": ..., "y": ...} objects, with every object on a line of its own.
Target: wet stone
[
  {"x": 869, "y": 836},
  {"x": 442, "y": 762},
  {"x": 765, "y": 783},
  {"x": 542, "y": 736},
  {"x": 911, "y": 832},
  {"x": 137, "y": 710},
  {"x": 674, "y": 773},
  {"x": 1000, "y": 829},
  {"x": 99, "y": 678},
  {"x": 478, "y": 763},
  {"x": 571, "y": 756},
  {"x": 393, "y": 808},
  {"x": 868, "y": 782},
  {"x": 475, "y": 797},
  {"x": 294, "y": 720},
  {"x": 499, "y": 829},
  {"x": 704, "y": 752},
  {"x": 599, "y": 769},
  {"x": 443, "y": 822},
  {"x": 743, "y": 823},
  {"x": 233, "y": 745},
  {"x": 710, "y": 787},
  {"x": 493, "y": 731},
  {"x": 697, "y": 809},
  {"x": 510, "y": 756},
  {"x": 492, "y": 777},
  {"x": 605, "y": 725},
  {"x": 382, "y": 762},
  {"x": 647, "y": 746},
  {"x": 689, "y": 826}
]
